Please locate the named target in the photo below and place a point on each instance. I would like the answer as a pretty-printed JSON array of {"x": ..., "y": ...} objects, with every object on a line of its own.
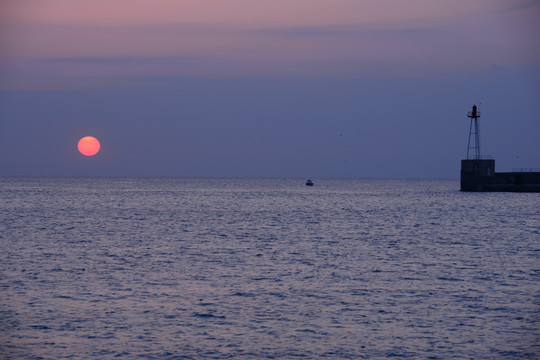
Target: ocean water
[{"x": 130, "y": 268}]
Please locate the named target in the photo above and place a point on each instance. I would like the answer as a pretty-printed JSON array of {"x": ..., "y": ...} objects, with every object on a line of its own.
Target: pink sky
[
  {"x": 240, "y": 12},
  {"x": 246, "y": 37},
  {"x": 274, "y": 77}
]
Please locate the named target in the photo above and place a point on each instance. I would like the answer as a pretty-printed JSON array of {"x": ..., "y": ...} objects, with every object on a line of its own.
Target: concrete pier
[{"x": 480, "y": 175}]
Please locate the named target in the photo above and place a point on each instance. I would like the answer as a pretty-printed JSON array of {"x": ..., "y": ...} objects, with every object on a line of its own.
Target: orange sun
[{"x": 88, "y": 146}]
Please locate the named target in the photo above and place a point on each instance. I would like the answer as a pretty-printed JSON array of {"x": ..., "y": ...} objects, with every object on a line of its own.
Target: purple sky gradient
[{"x": 297, "y": 88}]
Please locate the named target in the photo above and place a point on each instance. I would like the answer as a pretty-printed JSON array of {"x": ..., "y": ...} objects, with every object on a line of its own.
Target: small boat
[{"x": 309, "y": 183}]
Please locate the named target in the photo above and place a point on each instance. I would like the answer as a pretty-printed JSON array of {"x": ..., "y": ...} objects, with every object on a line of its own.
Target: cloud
[
  {"x": 350, "y": 30},
  {"x": 523, "y": 5}
]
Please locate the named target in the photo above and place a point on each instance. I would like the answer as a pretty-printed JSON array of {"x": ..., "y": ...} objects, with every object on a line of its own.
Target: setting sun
[{"x": 88, "y": 146}]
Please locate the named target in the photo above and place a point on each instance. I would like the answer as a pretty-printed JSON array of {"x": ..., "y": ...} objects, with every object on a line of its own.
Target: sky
[{"x": 281, "y": 88}]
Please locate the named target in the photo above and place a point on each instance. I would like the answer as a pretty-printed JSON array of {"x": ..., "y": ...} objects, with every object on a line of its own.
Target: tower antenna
[{"x": 474, "y": 132}]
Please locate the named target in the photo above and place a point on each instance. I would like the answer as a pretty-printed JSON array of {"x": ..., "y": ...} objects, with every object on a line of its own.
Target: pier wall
[{"x": 480, "y": 175}]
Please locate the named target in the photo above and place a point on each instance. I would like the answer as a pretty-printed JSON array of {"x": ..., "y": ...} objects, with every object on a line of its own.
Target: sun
[{"x": 88, "y": 146}]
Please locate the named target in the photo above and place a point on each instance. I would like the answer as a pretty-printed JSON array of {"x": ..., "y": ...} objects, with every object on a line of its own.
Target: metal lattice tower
[{"x": 474, "y": 131}]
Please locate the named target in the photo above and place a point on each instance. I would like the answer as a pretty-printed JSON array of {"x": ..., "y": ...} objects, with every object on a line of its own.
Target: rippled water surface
[{"x": 256, "y": 269}]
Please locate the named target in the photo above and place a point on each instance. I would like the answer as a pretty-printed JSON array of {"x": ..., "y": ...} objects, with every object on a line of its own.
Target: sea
[{"x": 152, "y": 268}]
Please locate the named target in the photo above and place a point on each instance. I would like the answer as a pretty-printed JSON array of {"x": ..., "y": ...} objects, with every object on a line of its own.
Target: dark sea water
[{"x": 266, "y": 269}]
